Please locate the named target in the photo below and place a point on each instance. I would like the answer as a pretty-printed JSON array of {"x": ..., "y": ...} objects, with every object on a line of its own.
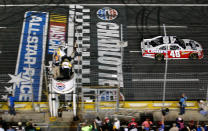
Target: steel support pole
[
  {"x": 74, "y": 102},
  {"x": 166, "y": 69},
  {"x": 121, "y": 44}
]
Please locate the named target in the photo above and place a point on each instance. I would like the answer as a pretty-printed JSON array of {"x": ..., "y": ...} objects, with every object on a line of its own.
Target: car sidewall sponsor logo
[
  {"x": 156, "y": 51},
  {"x": 107, "y": 14},
  {"x": 185, "y": 52},
  {"x": 60, "y": 86}
]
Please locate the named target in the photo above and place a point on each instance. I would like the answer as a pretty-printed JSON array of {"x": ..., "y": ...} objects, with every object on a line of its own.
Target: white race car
[{"x": 174, "y": 48}]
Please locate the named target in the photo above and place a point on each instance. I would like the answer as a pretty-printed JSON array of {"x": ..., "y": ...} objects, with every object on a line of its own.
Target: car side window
[
  {"x": 174, "y": 47},
  {"x": 162, "y": 48}
]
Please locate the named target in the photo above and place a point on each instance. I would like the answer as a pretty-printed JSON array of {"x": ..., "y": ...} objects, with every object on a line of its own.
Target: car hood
[{"x": 192, "y": 45}]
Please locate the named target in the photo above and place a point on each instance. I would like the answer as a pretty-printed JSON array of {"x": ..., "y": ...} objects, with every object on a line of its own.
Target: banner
[
  {"x": 63, "y": 87},
  {"x": 57, "y": 32},
  {"x": 29, "y": 69}
]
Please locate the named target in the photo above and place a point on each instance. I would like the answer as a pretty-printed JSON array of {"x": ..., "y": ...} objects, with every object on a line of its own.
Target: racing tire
[
  {"x": 193, "y": 56},
  {"x": 159, "y": 57}
]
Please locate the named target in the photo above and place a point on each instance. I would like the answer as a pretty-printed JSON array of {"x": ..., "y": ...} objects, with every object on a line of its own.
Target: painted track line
[
  {"x": 155, "y": 26},
  {"x": 134, "y": 51},
  {"x": 162, "y": 80},
  {"x": 135, "y": 5}
]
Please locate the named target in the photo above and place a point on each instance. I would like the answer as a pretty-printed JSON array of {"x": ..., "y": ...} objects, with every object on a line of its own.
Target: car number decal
[{"x": 175, "y": 53}]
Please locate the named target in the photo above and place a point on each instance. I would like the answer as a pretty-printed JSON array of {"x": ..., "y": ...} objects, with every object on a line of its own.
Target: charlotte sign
[
  {"x": 29, "y": 68},
  {"x": 106, "y": 65}
]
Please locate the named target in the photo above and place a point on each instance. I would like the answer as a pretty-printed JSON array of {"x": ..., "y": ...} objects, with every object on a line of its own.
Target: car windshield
[
  {"x": 156, "y": 42},
  {"x": 181, "y": 43},
  {"x": 193, "y": 45},
  {"x": 174, "y": 47}
]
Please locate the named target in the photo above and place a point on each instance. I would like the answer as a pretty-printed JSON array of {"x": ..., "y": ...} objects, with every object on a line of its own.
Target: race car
[{"x": 171, "y": 47}]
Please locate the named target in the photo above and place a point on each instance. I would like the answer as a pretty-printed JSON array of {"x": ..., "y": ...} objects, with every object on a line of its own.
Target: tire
[
  {"x": 193, "y": 56},
  {"x": 159, "y": 57}
]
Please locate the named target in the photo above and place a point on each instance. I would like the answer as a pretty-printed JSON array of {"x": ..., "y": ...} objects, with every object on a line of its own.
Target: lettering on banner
[
  {"x": 27, "y": 79},
  {"x": 57, "y": 32},
  {"x": 30, "y": 59},
  {"x": 109, "y": 54}
]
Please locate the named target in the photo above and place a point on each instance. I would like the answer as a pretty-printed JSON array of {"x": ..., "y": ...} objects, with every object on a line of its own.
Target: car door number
[{"x": 175, "y": 53}]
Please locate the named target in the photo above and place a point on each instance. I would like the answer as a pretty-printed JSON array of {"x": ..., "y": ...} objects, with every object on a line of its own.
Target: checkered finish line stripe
[{"x": 82, "y": 41}]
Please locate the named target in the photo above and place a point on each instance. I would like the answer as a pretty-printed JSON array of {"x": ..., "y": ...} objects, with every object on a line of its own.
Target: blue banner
[{"x": 29, "y": 69}]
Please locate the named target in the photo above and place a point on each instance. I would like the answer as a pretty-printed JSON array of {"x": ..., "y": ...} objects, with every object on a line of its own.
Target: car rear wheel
[
  {"x": 159, "y": 57},
  {"x": 193, "y": 56}
]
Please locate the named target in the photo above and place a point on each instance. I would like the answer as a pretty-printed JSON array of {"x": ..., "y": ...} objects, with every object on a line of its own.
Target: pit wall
[{"x": 150, "y": 105}]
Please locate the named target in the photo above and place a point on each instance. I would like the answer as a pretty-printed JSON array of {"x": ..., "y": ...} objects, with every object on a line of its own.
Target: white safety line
[
  {"x": 155, "y": 26},
  {"x": 20, "y": 48},
  {"x": 161, "y": 80},
  {"x": 166, "y": 5},
  {"x": 3, "y": 27},
  {"x": 4, "y": 81},
  {"x": 134, "y": 51}
]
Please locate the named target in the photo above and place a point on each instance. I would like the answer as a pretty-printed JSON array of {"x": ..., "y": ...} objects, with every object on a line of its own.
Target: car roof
[
  {"x": 166, "y": 45},
  {"x": 156, "y": 37}
]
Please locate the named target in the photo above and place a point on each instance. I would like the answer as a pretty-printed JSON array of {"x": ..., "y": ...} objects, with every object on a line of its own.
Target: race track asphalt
[
  {"x": 146, "y": 22},
  {"x": 140, "y": 74}
]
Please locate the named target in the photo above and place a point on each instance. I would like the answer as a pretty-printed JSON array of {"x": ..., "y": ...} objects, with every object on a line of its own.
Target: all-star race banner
[
  {"x": 57, "y": 31},
  {"x": 29, "y": 69}
]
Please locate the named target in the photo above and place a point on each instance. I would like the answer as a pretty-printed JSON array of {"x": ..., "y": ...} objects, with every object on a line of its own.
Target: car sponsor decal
[
  {"x": 29, "y": 70},
  {"x": 156, "y": 51},
  {"x": 185, "y": 52},
  {"x": 149, "y": 55},
  {"x": 57, "y": 31},
  {"x": 107, "y": 14}
]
